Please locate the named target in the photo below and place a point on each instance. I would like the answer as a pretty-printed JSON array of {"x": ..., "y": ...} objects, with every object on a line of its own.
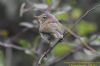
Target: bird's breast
[{"x": 43, "y": 28}]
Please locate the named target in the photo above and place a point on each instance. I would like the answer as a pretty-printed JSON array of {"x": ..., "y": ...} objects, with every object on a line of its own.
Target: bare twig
[
  {"x": 47, "y": 52},
  {"x": 77, "y": 22},
  {"x": 8, "y": 54},
  {"x": 85, "y": 14},
  {"x": 44, "y": 55},
  {"x": 78, "y": 37},
  {"x": 78, "y": 48},
  {"x": 12, "y": 46},
  {"x": 23, "y": 9},
  {"x": 7, "y": 45}
]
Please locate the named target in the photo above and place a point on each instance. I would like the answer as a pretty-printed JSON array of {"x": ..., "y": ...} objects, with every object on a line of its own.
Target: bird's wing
[{"x": 56, "y": 29}]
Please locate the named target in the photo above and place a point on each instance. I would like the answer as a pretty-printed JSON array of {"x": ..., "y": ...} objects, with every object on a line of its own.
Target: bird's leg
[{"x": 45, "y": 37}]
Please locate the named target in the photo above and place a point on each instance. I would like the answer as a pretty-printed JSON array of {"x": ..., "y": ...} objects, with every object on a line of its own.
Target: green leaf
[
  {"x": 36, "y": 42},
  {"x": 24, "y": 43},
  {"x": 85, "y": 28},
  {"x": 49, "y": 2},
  {"x": 61, "y": 50},
  {"x": 62, "y": 16},
  {"x": 1, "y": 59},
  {"x": 76, "y": 13}
]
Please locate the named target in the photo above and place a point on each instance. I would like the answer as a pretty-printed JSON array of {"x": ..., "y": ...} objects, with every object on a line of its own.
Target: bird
[{"x": 50, "y": 28}]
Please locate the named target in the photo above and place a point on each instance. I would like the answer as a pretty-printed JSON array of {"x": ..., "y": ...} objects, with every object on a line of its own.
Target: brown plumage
[{"x": 50, "y": 28}]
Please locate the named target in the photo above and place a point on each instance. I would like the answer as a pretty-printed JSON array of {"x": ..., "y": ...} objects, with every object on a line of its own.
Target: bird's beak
[{"x": 35, "y": 17}]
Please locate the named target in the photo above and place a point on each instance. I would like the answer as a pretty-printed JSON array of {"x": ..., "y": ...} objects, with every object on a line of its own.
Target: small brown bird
[{"x": 50, "y": 28}]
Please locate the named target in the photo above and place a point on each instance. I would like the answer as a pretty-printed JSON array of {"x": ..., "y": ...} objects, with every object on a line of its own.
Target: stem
[
  {"x": 86, "y": 13},
  {"x": 47, "y": 52}
]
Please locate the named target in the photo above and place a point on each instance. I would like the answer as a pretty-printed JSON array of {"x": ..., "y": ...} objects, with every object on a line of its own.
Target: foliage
[
  {"x": 85, "y": 28},
  {"x": 1, "y": 59},
  {"x": 61, "y": 49},
  {"x": 76, "y": 13},
  {"x": 19, "y": 35},
  {"x": 24, "y": 43},
  {"x": 62, "y": 16}
]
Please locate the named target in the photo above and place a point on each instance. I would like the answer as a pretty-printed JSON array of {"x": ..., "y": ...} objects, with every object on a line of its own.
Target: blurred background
[{"x": 21, "y": 44}]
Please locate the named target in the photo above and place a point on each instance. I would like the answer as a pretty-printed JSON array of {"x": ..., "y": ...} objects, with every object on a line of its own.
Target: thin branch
[
  {"x": 78, "y": 37},
  {"x": 23, "y": 10},
  {"x": 8, "y": 54},
  {"x": 78, "y": 48},
  {"x": 6, "y": 45},
  {"x": 85, "y": 14},
  {"x": 47, "y": 52},
  {"x": 12, "y": 46},
  {"x": 77, "y": 22}
]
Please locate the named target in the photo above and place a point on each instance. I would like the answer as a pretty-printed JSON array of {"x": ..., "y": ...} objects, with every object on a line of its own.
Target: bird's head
[{"x": 46, "y": 17}]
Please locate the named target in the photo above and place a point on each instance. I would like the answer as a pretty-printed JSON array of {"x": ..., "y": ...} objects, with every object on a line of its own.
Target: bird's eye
[{"x": 44, "y": 17}]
